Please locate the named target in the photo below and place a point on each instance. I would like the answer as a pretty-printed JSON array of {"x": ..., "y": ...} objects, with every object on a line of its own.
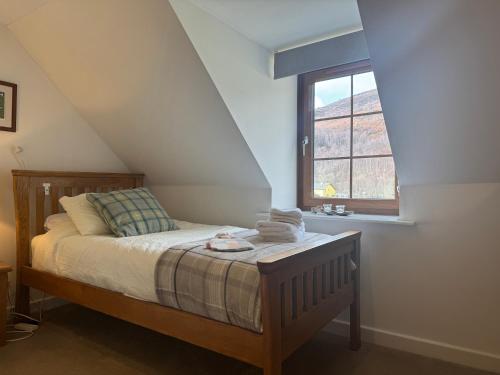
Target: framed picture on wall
[{"x": 8, "y": 106}]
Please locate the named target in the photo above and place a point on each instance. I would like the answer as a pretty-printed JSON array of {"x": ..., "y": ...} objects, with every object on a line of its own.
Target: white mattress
[{"x": 125, "y": 265}]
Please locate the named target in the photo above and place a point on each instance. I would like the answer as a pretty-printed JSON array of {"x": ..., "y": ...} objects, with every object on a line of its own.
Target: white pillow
[
  {"x": 84, "y": 215},
  {"x": 56, "y": 220}
]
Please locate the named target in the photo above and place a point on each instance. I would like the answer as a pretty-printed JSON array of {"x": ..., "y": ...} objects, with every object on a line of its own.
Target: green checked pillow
[{"x": 131, "y": 212}]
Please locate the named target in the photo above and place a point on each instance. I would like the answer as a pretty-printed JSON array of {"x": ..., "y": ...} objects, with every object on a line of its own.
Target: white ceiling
[
  {"x": 12, "y": 10},
  {"x": 279, "y": 24}
]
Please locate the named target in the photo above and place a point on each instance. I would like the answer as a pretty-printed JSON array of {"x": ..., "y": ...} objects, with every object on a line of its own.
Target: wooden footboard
[{"x": 304, "y": 290}]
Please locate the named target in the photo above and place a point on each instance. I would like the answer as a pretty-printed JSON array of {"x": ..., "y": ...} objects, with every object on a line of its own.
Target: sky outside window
[{"x": 332, "y": 90}]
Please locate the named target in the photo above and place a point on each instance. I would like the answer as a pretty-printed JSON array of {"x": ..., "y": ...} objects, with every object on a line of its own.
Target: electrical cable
[
  {"x": 16, "y": 331},
  {"x": 16, "y": 151}
]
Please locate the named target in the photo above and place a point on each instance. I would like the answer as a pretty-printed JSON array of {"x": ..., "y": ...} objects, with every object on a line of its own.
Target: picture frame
[{"x": 8, "y": 106}]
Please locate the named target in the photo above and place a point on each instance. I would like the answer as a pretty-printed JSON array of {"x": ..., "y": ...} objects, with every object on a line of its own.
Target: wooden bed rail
[{"x": 304, "y": 289}]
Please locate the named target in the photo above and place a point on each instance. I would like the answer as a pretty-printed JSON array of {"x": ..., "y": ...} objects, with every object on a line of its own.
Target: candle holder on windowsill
[{"x": 327, "y": 209}]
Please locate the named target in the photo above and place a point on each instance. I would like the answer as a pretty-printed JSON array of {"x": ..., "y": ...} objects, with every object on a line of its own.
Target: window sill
[{"x": 360, "y": 218}]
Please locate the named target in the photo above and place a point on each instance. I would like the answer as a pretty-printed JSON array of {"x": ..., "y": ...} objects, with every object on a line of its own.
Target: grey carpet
[{"x": 74, "y": 340}]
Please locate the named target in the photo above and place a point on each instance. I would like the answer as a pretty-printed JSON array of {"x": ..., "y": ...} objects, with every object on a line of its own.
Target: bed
[{"x": 299, "y": 289}]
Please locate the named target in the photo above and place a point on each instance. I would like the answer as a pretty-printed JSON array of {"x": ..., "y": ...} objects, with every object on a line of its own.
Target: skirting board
[{"x": 428, "y": 348}]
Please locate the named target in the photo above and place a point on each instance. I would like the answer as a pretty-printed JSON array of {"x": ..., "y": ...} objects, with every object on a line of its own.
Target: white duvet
[{"x": 125, "y": 265}]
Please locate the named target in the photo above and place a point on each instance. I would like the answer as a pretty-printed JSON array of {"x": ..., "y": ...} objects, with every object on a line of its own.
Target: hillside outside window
[{"x": 344, "y": 152}]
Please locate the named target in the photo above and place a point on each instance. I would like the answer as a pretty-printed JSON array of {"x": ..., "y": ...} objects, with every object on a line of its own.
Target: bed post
[
  {"x": 355, "y": 311},
  {"x": 21, "y": 202},
  {"x": 271, "y": 323}
]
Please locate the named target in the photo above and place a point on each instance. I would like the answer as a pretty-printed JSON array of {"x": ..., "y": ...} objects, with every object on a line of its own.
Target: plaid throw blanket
[{"x": 218, "y": 285}]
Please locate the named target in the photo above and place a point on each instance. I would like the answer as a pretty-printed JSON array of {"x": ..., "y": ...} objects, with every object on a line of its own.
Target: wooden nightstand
[{"x": 4, "y": 273}]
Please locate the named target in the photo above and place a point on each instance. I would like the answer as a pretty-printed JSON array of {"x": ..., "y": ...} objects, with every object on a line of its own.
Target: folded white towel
[
  {"x": 286, "y": 219},
  {"x": 291, "y": 216},
  {"x": 283, "y": 237},
  {"x": 293, "y": 212},
  {"x": 275, "y": 226},
  {"x": 282, "y": 226},
  {"x": 272, "y": 231}
]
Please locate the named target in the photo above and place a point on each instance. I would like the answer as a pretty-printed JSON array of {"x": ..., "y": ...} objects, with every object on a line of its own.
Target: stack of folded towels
[{"x": 282, "y": 226}]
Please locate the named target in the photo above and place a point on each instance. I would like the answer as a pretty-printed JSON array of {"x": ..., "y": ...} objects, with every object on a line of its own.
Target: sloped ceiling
[
  {"x": 280, "y": 24},
  {"x": 436, "y": 65},
  {"x": 132, "y": 73},
  {"x": 12, "y": 10},
  {"x": 263, "y": 108}
]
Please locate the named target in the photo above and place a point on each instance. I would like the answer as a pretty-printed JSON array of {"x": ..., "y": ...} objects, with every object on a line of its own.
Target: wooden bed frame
[{"x": 301, "y": 290}]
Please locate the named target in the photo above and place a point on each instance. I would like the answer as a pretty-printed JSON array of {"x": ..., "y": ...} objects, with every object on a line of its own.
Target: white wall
[
  {"x": 264, "y": 109},
  {"x": 53, "y": 135},
  {"x": 130, "y": 70},
  {"x": 224, "y": 205},
  {"x": 435, "y": 281}
]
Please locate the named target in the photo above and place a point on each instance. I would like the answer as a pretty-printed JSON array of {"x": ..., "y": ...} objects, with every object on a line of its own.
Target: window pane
[
  {"x": 365, "y": 95},
  {"x": 332, "y": 98},
  {"x": 370, "y": 136},
  {"x": 331, "y": 178},
  {"x": 332, "y": 138},
  {"x": 373, "y": 178}
]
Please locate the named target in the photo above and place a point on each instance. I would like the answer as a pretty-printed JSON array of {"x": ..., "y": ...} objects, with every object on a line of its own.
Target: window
[{"x": 344, "y": 151}]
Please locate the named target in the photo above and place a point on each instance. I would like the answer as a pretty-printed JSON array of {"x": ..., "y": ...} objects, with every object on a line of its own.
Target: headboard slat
[
  {"x": 32, "y": 205},
  {"x": 68, "y": 191},
  {"x": 39, "y": 209},
  {"x": 54, "y": 200}
]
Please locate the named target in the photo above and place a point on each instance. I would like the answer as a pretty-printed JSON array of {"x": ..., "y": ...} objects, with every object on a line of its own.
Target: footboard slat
[
  {"x": 308, "y": 290},
  {"x": 326, "y": 280},
  {"x": 347, "y": 268},
  {"x": 317, "y": 285},
  {"x": 340, "y": 272},
  {"x": 300, "y": 295},
  {"x": 332, "y": 276},
  {"x": 286, "y": 303}
]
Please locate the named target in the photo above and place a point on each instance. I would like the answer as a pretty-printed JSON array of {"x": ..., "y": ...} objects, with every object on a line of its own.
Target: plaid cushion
[{"x": 131, "y": 212}]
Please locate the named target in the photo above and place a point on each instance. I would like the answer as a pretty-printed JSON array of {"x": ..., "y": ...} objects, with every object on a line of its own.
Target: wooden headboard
[{"x": 37, "y": 193}]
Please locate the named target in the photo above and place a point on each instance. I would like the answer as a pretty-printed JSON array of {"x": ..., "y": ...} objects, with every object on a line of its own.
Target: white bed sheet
[{"x": 125, "y": 265}]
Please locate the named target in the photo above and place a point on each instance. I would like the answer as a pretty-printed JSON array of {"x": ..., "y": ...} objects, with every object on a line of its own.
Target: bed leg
[
  {"x": 22, "y": 299},
  {"x": 355, "y": 327},
  {"x": 355, "y": 311},
  {"x": 271, "y": 323},
  {"x": 273, "y": 370}
]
